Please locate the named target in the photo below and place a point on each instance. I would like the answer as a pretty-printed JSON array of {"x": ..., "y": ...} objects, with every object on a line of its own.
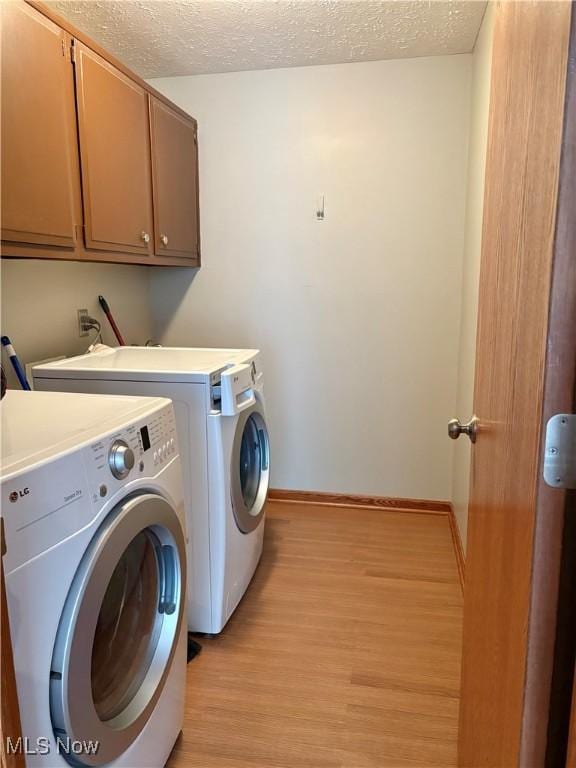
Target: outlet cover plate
[{"x": 82, "y": 314}]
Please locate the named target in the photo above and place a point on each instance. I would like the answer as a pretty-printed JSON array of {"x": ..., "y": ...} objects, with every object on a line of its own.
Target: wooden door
[
  {"x": 502, "y": 687},
  {"x": 115, "y": 156},
  {"x": 571, "y": 757},
  {"x": 40, "y": 176},
  {"x": 175, "y": 182}
]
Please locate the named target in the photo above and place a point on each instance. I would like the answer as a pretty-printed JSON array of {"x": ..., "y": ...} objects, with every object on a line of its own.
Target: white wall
[
  {"x": 357, "y": 316},
  {"x": 40, "y": 299},
  {"x": 481, "y": 74}
]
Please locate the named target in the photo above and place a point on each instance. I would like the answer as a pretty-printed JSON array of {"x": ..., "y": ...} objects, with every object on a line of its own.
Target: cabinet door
[
  {"x": 40, "y": 176},
  {"x": 114, "y": 156},
  {"x": 175, "y": 182}
]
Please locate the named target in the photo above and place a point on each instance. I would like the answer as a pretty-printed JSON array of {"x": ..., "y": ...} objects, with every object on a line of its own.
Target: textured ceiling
[{"x": 159, "y": 38}]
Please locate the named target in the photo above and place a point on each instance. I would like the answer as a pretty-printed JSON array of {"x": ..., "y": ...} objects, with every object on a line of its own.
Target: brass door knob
[{"x": 455, "y": 429}]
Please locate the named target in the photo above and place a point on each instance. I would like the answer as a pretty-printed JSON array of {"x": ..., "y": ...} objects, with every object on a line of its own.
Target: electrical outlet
[{"x": 82, "y": 329}]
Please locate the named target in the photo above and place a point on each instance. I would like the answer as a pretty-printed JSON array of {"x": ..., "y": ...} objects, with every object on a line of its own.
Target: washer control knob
[{"x": 120, "y": 459}]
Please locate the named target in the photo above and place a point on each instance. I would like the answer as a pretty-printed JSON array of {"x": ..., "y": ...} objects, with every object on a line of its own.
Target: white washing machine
[
  {"x": 95, "y": 577},
  {"x": 219, "y": 403}
]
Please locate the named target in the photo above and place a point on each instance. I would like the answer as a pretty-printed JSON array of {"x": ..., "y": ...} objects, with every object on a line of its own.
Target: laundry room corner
[
  {"x": 40, "y": 300},
  {"x": 356, "y": 314}
]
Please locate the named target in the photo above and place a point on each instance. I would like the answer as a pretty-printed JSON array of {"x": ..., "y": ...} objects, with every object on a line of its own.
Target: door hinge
[
  {"x": 72, "y": 52},
  {"x": 68, "y": 49},
  {"x": 560, "y": 451}
]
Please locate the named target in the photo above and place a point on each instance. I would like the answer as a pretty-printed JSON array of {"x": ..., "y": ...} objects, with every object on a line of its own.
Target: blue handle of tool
[{"x": 18, "y": 370}]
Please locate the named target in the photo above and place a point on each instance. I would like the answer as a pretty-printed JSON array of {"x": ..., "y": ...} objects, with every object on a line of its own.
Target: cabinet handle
[
  {"x": 145, "y": 236},
  {"x": 164, "y": 239}
]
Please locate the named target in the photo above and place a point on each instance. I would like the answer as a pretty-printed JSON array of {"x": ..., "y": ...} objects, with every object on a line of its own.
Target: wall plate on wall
[{"x": 82, "y": 316}]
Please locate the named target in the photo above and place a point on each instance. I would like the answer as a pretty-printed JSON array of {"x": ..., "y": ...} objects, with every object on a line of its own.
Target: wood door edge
[
  {"x": 571, "y": 757},
  {"x": 82, "y": 143},
  {"x": 153, "y": 170},
  {"x": 198, "y": 240},
  {"x": 547, "y": 602}
]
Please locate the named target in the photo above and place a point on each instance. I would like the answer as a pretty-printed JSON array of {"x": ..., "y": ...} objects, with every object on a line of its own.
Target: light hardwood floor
[{"x": 345, "y": 652}]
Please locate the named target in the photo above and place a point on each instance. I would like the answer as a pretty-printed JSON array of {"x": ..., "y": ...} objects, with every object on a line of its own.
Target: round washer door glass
[
  {"x": 252, "y": 447},
  {"x": 119, "y": 629},
  {"x": 250, "y": 469},
  {"x": 128, "y": 627}
]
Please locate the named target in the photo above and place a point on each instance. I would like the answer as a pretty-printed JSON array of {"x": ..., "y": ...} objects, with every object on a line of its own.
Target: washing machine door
[
  {"x": 119, "y": 629},
  {"x": 250, "y": 469}
]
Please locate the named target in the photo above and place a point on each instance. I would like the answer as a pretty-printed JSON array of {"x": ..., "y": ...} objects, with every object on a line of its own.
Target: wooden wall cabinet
[
  {"x": 40, "y": 177},
  {"x": 174, "y": 181},
  {"x": 114, "y": 156},
  {"x": 96, "y": 165}
]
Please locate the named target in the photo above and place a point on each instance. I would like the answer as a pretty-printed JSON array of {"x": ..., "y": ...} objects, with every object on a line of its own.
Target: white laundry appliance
[
  {"x": 220, "y": 413},
  {"x": 95, "y": 577}
]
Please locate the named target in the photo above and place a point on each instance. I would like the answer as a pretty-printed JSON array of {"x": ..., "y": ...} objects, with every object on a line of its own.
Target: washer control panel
[
  {"x": 139, "y": 450},
  {"x": 165, "y": 451}
]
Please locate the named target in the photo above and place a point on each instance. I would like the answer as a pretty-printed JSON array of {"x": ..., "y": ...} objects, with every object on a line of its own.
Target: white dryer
[
  {"x": 95, "y": 577},
  {"x": 220, "y": 412}
]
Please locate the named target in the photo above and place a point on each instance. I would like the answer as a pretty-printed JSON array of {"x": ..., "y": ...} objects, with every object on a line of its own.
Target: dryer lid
[{"x": 177, "y": 364}]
